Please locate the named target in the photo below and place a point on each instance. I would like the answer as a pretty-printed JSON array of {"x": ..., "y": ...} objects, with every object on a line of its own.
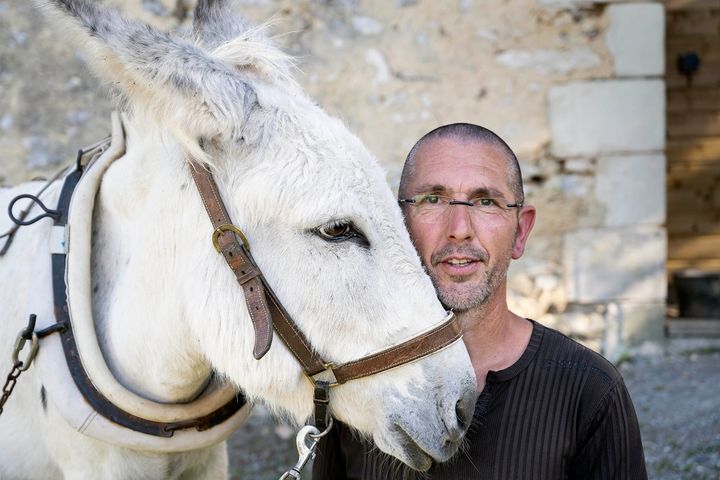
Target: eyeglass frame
[{"x": 413, "y": 201}]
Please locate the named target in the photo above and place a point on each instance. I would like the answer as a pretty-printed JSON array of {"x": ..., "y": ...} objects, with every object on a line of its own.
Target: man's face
[{"x": 466, "y": 252}]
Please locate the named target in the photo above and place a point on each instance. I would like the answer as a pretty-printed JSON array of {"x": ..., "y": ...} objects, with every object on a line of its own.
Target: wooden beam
[
  {"x": 672, "y": 5},
  {"x": 695, "y": 124},
  {"x": 705, "y": 149},
  {"x": 693, "y": 99},
  {"x": 704, "y": 265},
  {"x": 692, "y": 327}
]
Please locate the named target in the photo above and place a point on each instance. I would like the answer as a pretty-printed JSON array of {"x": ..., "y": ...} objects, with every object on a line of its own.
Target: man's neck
[{"x": 494, "y": 336}]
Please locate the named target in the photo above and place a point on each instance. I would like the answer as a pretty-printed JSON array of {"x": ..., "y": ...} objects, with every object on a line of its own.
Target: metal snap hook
[
  {"x": 306, "y": 442},
  {"x": 21, "y": 220}
]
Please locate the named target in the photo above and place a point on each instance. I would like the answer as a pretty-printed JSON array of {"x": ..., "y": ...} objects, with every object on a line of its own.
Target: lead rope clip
[{"x": 306, "y": 441}]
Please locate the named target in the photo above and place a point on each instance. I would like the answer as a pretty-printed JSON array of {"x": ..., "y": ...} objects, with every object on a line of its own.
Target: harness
[
  {"x": 70, "y": 363},
  {"x": 118, "y": 416}
]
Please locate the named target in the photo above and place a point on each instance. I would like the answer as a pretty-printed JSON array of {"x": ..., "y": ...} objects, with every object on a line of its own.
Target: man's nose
[{"x": 459, "y": 222}]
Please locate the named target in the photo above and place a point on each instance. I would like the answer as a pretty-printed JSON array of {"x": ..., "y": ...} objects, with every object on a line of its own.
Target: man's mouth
[
  {"x": 459, "y": 261},
  {"x": 459, "y": 266}
]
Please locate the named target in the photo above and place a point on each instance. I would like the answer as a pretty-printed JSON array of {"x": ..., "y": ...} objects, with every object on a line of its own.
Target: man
[{"x": 549, "y": 408}]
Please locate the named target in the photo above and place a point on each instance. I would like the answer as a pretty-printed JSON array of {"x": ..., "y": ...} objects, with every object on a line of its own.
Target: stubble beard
[{"x": 464, "y": 296}]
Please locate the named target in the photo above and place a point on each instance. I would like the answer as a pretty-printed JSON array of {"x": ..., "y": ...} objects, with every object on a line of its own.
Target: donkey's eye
[
  {"x": 336, "y": 231},
  {"x": 340, "y": 231}
]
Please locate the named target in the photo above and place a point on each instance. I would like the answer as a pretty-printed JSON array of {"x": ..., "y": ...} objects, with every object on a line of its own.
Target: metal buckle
[
  {"x": 330, "y": 377},
  {"x": 227, "y": 227}
]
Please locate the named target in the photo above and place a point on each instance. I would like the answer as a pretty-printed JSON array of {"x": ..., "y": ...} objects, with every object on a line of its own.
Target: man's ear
[{"x": 526, "y": 220}]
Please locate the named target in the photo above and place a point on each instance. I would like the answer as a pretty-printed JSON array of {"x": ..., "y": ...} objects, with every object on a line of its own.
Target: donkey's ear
[
  {"x": 217, "y": 21},
  {"x": 200, "y": 94},
  {"x": 218, "y": 26}
]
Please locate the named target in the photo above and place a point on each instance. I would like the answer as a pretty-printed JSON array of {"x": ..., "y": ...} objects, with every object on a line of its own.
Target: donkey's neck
[{"x": 139, "y": 298}]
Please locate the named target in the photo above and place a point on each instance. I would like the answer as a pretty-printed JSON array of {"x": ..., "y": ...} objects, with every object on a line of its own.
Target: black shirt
[{"x": 560, "y": 412}]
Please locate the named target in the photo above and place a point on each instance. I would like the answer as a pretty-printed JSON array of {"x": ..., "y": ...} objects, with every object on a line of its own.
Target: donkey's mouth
[{"x": 412, "y": 454}]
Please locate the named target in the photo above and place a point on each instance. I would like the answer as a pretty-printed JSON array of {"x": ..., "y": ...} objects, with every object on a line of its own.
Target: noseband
[{"x": 268, "y": 314}]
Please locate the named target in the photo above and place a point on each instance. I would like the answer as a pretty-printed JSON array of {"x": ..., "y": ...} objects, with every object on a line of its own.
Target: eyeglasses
[{"x": 431, "y": 206}]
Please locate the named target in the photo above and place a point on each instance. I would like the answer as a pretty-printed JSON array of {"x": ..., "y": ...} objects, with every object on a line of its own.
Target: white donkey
[{"x": 169, "y": 315}]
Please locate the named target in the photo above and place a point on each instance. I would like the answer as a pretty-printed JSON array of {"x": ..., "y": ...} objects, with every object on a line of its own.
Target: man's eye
[
  {"x": 484, "y": 202},
  {"x": 430, "y": 199}
]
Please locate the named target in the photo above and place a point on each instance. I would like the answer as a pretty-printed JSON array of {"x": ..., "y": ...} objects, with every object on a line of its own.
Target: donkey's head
[{"x": 321, "y": 222}]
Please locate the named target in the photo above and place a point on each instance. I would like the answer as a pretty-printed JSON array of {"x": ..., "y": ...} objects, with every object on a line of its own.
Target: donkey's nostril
[
  {"x": 457, "y": 426},
  {"x": 464, "y": 409}
]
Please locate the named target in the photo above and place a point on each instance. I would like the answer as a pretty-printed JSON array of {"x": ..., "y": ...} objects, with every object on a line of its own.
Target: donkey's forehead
[
  {"x": 315, "y": 143},
  {"x": 327, "y": 182},
  {"x": 317, "y": 181},
  {"x": 333, "y": 159}
]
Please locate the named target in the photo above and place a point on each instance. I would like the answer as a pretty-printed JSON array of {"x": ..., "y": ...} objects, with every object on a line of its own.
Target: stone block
[
  {"x": 586, "y": 322},
  {"x": 581, "y": 165},
  {"x": 573, "y": 3},
  {"x": 565, "y": 3},
  {"x": 366, "y": 25},
  {"x": 550, "y": 61},
  {"x": 631, "y": 189},
  {"x": 642, "y": 322},
  {"x": 630, "y": 324},
  {"x": 636, "y": 38},
  {"x": 606, "y": 265},
  {"x": 592, "y": 118}
]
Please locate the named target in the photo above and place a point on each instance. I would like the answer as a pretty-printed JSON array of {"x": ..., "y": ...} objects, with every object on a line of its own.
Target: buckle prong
[{"x": 227, "y": 227}]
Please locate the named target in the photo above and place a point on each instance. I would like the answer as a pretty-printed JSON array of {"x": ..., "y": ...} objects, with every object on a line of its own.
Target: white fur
[{"x": 168, "y": 309}]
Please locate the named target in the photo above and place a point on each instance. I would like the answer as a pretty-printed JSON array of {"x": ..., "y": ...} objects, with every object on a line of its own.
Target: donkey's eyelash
[{"x": 338, "y": 231}]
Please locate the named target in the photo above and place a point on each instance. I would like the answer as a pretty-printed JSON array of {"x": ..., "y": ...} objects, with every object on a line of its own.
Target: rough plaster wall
[{"x": 392, "y": 70}]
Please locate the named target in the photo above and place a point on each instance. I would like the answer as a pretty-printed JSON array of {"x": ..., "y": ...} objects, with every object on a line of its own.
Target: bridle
[{"x": 268, "y": 314}]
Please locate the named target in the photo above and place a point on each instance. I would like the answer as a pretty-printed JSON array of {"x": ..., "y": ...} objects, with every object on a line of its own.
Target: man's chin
[{"x": 462, "y": 301}]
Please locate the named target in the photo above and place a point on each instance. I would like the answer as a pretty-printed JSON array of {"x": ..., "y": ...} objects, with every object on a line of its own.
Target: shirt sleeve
[{"x": 612, "y": 447}]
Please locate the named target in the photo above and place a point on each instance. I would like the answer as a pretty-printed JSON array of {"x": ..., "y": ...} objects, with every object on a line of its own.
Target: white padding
[{"x": 53, "y": 369}]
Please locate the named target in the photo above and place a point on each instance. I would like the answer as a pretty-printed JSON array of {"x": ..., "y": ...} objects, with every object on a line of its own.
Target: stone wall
[
  {"x": 614, "y": 125},
  {"x": 576, "y": 88}
]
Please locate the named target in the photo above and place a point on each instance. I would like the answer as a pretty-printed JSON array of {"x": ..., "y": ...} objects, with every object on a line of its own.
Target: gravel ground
[
  {"x": 677, "y": 398},
  {"x": 262, "y": 449},
  {"x": 675, "y": 389}
]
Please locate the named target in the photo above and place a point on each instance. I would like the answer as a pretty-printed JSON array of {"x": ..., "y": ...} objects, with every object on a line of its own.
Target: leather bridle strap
[
  {"x": 262, "y": 300},
  {"x": 417, "y": 347},
  {"x": 237, "y": 256}
]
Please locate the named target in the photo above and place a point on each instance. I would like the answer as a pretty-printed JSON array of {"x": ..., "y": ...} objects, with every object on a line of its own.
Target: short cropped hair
[{"x": 466, "y": 131}]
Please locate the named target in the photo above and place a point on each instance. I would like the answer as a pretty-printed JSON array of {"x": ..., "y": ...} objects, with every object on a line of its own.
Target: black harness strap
[{"x": 94, "y": 397}]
